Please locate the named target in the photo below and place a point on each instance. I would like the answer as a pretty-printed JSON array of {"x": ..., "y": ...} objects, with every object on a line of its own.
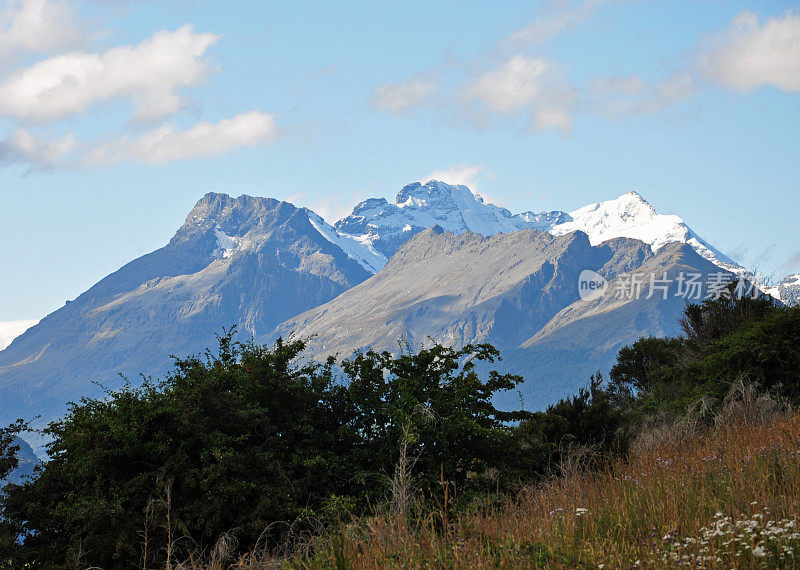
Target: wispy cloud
[
  {"x": 153, "y": 74},
  {"x": 751, "y": 54},
  {"x": 559, "y": 17},
  {"x": 403, "y": 97},
  {"x": 23, "y": 147},
  {"x": 618, "y": 97},
  {"x": 149, "y": 73},
  {"x": 531, "y": 85},
  {"x": 466, "y": 174},
  {"x": 512, "y": 82},
  {"x": 167, "y": 143}
]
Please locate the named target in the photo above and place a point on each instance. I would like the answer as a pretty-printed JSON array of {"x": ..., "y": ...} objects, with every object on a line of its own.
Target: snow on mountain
[
  {"x": 357, "y": 248},
  {"x": 385, "y": 227},
  {"x": 632, "y": 216},
  {"x": 226, "y": 244},
  {"x": 787, "y": 291},
  {"x": 375, "y": 229}
]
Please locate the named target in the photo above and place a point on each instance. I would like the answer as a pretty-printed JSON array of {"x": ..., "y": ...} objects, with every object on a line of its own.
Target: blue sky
[{"x": 115, "y": 118}]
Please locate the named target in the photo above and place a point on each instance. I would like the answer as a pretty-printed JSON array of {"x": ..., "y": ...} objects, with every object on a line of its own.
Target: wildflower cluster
[{"x": 725, "y": 541}]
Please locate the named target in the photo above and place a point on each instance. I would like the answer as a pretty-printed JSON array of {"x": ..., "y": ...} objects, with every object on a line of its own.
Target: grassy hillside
[{"x": 727, "y": 497}]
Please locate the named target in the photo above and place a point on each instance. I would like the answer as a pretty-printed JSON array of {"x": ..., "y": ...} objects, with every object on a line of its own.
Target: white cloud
[
  {"x": 512, "y": 86},
  {"x": 167, "y": 143},
  {"x": 149, "y": 73},
  {"x": 9, "y": 330},
  {"x": 403, "y": 96},
  {"x": 37, "y": 26},
  {"x": 629, "y": 96},
  {"x": 561, "y": 17},
  {"x": 22, "y": 146},
  {"x": 528, "y": 84},
  {"x": 751, "y": 54},
  {"x": 465, "y": 174},
  {"x": 335, "y": 208}
]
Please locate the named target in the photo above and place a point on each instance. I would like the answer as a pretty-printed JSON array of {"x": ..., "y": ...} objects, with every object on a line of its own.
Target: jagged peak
[
  {"x": 214, "y": 208},
  {"x": 627, "y": 204},
  {"x": 418, "y": 194}
]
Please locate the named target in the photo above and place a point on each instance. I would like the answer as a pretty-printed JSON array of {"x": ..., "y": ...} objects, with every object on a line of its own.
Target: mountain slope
[
  {"x": 253, "y": 262},
  {"x": 517, "y": 290}
]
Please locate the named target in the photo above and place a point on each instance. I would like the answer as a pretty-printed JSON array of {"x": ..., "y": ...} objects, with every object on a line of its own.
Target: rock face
[
  {"x": 254, "y": 262},
  {"x": 518, "y": 291}
]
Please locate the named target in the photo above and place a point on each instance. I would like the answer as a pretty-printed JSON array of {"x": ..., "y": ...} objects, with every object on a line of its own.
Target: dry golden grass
[{"x": 726, "y": 498}]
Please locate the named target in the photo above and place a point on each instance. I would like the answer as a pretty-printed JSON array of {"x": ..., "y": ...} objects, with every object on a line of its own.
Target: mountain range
[{"x": 439, "y": 263}]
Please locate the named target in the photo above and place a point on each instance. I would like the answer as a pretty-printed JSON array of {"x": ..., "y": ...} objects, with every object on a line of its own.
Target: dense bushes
[
  {"x": 725, "y": 340},
  {"x": 246, "y": 441}
]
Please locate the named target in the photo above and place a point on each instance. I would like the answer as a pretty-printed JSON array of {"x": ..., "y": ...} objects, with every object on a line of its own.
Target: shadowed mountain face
[
  {"x": 518, "y": 291},
  {"x": 254, "y": 262}
]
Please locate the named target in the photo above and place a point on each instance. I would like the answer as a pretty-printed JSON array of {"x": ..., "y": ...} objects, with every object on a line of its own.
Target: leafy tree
[
  {"x": 436, "y": 402},
  {"x": 247, "y": 441},
  {"x": 9, "y": 449},
  {"x": 233, "y": 442}
]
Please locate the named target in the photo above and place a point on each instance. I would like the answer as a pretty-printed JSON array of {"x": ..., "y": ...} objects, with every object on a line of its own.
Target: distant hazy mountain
[
  {"x": 518, "y": 291},
  {"x": 27, "y": 462},
  {"x": 254, "y": 262}
]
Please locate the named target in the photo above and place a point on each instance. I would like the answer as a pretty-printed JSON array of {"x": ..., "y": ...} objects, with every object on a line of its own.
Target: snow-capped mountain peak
[
  {"x": 630, "y": 215},
  {"x": 356, "y": 247},
  {"x": 384, "y": 226},
  {"x": 375, "y": 229}
]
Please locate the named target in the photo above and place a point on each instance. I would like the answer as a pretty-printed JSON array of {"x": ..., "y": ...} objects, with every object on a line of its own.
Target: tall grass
[{"x": 723, "y": 497}]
